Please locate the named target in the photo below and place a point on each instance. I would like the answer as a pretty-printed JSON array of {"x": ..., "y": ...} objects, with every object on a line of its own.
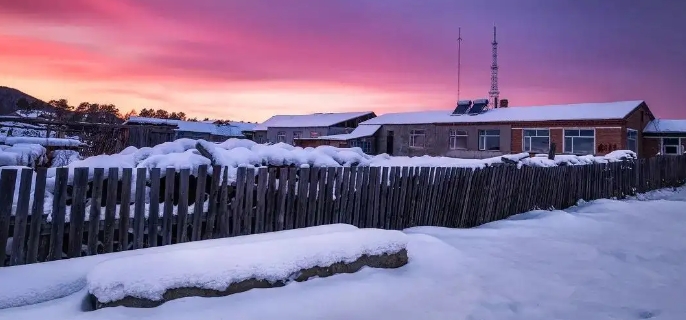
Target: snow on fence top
[
  {"x": 665, "y": 126},
  {"x": 46, "y": 142},
  {"x": 309, "y": 120},
  {"x": 143, "y": 277},
  {"x": 361, "y": 131},
  {"x": 583, "y": 111}
]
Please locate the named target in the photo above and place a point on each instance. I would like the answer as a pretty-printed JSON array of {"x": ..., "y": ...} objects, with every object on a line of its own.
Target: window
[
  {"x": 632, "y": 140},
  {"x": 489, "y": 140},
  {"x": 363, "y": 144},
  {"x": 670, "y": 146},
  {"x": 417, "y": 138},
  {"x": 458, "y": 139},
  {"x": 536, "y": 140},
  {"x": 281, "y": 137},
  {"x": 314, "y": 134},
  {"x": 297, "y": 135},
  {"x": 579, "y": 141}
]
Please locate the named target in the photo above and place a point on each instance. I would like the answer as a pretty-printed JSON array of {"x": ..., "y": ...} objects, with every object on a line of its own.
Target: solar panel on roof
[
  {"x": 462, "y": 107},
  {"x": 478, "y": 107}
]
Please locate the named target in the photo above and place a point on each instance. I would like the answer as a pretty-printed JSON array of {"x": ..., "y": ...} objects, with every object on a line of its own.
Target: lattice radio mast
[
  {"x": 494, "y": 93},
  {"x": 459, "y": 49}
]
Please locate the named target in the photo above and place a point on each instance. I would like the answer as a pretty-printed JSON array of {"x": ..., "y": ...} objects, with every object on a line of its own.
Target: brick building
[
  {"x": 665, "y": 137},
  {"x": 588, "y": 128},
  {"x": 304, "y": 130}
]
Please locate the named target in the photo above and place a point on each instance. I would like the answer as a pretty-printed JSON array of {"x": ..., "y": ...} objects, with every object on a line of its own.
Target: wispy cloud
[{"x": 249, "y": 59}]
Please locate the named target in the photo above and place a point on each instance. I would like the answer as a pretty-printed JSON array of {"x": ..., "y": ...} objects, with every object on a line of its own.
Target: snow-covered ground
[{"x": 605, "y": 259}]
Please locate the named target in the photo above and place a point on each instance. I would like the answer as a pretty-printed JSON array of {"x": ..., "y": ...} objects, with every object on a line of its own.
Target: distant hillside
[{"x": 9, "y": 98}]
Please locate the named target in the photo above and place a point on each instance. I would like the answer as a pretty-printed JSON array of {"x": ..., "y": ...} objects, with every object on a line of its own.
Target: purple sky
[{"x": 247, "y": 60}]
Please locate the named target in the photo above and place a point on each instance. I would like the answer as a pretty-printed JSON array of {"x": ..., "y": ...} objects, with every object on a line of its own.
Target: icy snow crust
[
  {"x": 36, "y": 283},
  {"x": 142, "y": 277}
]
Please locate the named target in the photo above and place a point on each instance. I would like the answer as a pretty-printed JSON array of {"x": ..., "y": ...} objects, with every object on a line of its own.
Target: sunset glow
[{"x": 248, "y": 60}]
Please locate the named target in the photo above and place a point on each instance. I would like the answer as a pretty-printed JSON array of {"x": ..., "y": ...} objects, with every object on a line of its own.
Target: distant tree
[
  {"x": 130, "y": 114},
  {"x": 147, "y": 113},
  {"x": 36, "y": 105},
  {"x": 62, "y": 109},
  {"x": 206, "y": 119},
  {"x": 162, "y": 114},
  {"x": 192, "y": 119},
  {"x": 23, "y": 105},
  {"x": 177, "y": 116}
]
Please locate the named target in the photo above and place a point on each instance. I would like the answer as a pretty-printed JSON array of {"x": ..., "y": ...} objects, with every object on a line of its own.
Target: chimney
[{"x": 503, "y": 103}]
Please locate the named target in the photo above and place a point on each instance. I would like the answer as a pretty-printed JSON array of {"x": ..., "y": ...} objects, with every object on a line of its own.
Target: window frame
[
  {"x": 413, "y": 137},
  {"x": 484, "y": 134},
  {"x": 524, "y": 138},
  {"x": 628, "y": 138},
  {"x": 281, "y": 136},
  {"x": 297, "y": 135},
  {"x": 564, "y": 139},
  {"x": 663, "y": 146},
  {"x": 453, "y": 135}
]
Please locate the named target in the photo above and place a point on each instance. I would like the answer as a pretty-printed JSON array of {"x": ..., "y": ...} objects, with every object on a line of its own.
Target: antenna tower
[
  {"x": 494, "y": 93},
  {"x": 459, "y": 49}
]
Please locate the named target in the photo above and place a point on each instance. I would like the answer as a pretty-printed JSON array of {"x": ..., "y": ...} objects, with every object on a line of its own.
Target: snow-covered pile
[
  {"x": 562, "y": 160},
  {"x": 234, "y": 153},
  {"x": 57, "y": 279},
  {"x": 140, "y": 276},
  {"x": 22, "y": 154},
  {"x": 47, "y": 142},
  {"x": 61, "y": 158}
]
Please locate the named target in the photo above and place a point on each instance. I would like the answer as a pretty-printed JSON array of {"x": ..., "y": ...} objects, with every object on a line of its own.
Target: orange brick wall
[
  {"x": 651, "y": 147},
  {"x": 608, "y": 140},
  {"x": 638, "y": 120},
  {"x": 517, "y": 136},
  {"x": 556, "y": 137}
]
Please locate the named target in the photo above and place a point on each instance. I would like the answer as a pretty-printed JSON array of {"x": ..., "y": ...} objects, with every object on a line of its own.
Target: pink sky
[{"x": 248, "y": 60}]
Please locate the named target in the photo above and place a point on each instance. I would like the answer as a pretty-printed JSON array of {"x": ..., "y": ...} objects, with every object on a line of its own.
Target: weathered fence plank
[
  {"x": 182, "y": 208},
  {"x": 20, "y": 217},
  {"x": 154, "y": 207},
  {"x": 282, "y": 196},
  {"x": 198, "y": 206},
  {"x": 8, "y": 182},
  {"x": 272, "y": 202},
  {"x": 36, "y": 216},
  {"x": 139, "y": 208},
  {"x": 110, "y": 209},
  {"x": 238, "y": 210},
  {"x": 95, "y": 209},
  {"x": 249, "y": 210},
  {"x": 125, "y": 209},
  {"x": 262, "y": 202},
  {"x": 168, "y": 215}
]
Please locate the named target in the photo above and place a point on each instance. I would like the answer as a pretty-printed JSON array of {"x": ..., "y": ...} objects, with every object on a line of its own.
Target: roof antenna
[{"x": 459, "y": 49}]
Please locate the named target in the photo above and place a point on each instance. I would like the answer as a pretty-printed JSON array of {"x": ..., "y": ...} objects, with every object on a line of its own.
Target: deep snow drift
[{"x": 606, "y": 259}]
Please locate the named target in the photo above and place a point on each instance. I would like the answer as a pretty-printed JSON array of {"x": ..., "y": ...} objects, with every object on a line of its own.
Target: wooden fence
[{"x": 274, "y": 199}]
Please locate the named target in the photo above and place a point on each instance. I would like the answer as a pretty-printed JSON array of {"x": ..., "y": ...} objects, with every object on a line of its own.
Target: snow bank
[
  {"x": 541, "y": 160},
  {"x": 61, "y": 158},
  {"x": 279, "y": 261},
  {"x": 23, "y": 154},
  {"x": 46, "y": 142},
  {"x": 36, "y": 283}
]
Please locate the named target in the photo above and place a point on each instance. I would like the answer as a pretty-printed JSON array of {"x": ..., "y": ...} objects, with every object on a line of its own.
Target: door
[{"x": 389, "y": 143}]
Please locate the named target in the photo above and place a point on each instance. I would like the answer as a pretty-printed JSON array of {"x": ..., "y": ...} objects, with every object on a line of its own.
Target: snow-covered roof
[
  {"x": 309, "y": 120},
  {"x": 666, "y": 126},
  {"x": 46, "y": 142},
  {"x": 581, "y": 111},
  {"x": 232, "y": 129},
  {"x": 362, "y": 131}
]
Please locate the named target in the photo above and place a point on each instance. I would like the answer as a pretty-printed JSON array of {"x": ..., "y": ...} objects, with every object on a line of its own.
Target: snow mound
[
  {"x": 47, "y": 142},
  {"x": 61, "y": 158},
  {"x": 141, "y": 276},
  {"x": 56, "y": 279}
]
